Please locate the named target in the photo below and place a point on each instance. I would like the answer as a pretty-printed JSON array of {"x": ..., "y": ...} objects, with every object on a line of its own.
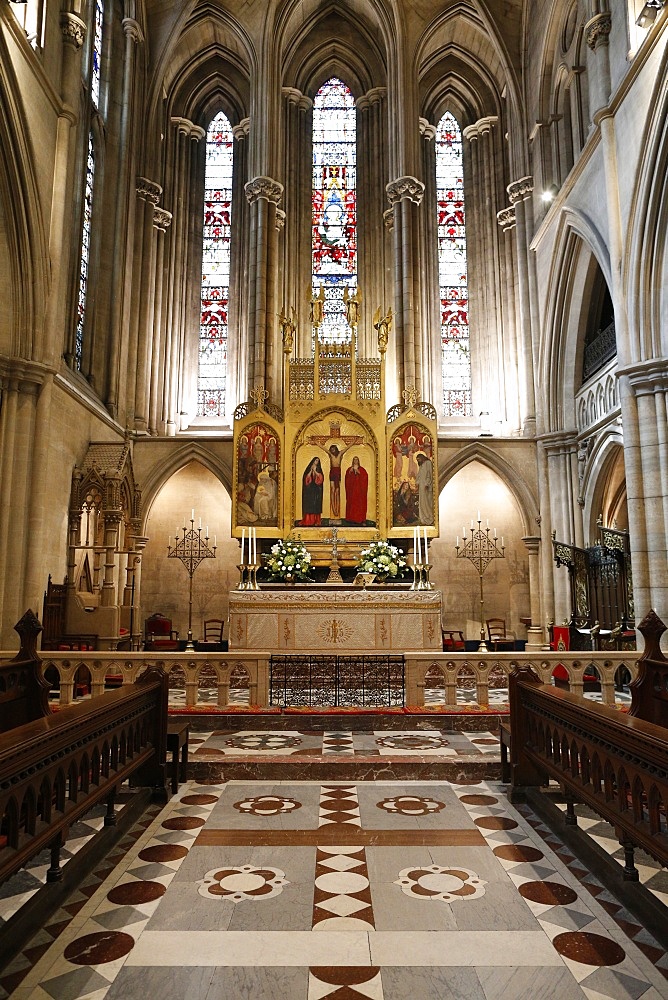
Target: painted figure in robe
[
  {"x": 312, "y": 490},
  {"x": 425, "y": 485},
  {"x": 357, "y": 487}
]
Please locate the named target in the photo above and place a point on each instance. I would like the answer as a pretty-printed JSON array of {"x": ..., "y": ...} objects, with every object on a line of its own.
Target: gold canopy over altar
[{"x": 334, "y": 455}]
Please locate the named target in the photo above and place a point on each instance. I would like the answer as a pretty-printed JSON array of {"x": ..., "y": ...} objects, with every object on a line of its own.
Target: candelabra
[
  {"x": 480, "y": 549},
  {"x": 191, "y": 548}
]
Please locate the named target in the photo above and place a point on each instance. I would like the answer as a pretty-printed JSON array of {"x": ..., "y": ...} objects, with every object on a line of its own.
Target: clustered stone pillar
[
  {"x": 535, "y": 634},
  {"x": 405, "y": 196},
  {"x": 161, "y": 221},
  {"x": 520, "y": 193},
  {"x": 181, "y": 171},
  {"x": 237, "y": 353},
  {"x": 432, "y": 351},
  {"x": 506, "y": 220},
  {"x": 297, "y": 171},
  {"x": 264, "y": 195},
  {"x": 597, "y": 33},
  {"x": 143, "y": 301},
  {"x": 560, "y": 482},
  {"x": 372, "y": 173}
]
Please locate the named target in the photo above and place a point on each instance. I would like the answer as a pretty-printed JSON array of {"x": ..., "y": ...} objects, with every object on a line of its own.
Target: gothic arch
[
  {"x": 518, "y": 488},
  {"x": 192, "y": 451},
  {"x": 600, "y": 494},
  {"x": 579, "y": 250}
]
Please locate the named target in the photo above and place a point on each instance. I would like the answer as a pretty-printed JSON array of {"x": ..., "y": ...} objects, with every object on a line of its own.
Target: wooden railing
[
  {"x": 615, "y": 763},
  {"x": 55, "y": 768}
]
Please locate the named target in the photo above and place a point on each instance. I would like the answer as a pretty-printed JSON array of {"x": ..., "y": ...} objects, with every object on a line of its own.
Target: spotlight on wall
[{"x": 551, "y": 193}]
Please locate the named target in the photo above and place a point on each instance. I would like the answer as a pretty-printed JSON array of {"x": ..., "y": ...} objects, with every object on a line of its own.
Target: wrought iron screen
[{"x": 354, "y": 681}]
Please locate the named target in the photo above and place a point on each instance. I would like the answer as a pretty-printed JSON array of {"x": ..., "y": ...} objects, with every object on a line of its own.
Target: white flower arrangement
[
  {"x": 288, "y": 561},
  {"x": 383, "y": 559}
]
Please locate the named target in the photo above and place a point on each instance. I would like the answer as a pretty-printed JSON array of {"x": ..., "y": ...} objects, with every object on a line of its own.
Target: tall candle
[
  {"x": 426, "y": 557},
  {"x": 457, "y": 542},
  {"x": 419, "y": 546},
  {"x": 214, "y": 541},
  {"x": 200, "y": 524},
  {"x": 192, "y": 514},
  {"x": 254, "y": 546},
  {"x": 243, "y": 538}
]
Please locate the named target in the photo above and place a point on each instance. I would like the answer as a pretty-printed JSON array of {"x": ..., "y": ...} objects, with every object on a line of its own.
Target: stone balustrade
[{"x": 453, "y": 672}]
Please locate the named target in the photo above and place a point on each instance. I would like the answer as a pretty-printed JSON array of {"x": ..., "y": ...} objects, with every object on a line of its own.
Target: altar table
[{"x": 332, "y": 618}]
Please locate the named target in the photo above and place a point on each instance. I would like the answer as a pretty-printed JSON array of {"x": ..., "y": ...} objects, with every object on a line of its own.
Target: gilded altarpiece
[{"x": 335, "y": 457}]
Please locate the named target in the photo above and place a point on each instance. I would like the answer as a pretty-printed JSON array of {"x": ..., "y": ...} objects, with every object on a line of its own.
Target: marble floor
[{"x": 302, "y": 890}]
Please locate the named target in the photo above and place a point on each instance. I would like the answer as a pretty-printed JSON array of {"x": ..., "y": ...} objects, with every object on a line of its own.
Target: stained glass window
[
  {"x": 97, "y": 53},
  {"x": 215, "y": 296},
  {"x": 452, "y": 276},
  {"x": 85, "y": 250},
  {"x": 334, "y": 216}
]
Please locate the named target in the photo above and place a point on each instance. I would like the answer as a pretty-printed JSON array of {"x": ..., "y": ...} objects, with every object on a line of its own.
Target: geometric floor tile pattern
[{"x": 422, "y": 889}]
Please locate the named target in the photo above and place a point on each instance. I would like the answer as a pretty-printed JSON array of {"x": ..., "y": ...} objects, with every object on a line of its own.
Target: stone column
[
  {"x": 298, "y": 174},
  {"x": 519, "y": 193},
  {"x": 432, "y": 351},
  {"x": 264, "y": 195},
  {"x": 565, "y": 518},
  {"x": 61, "y": 233},
  {"x": 161, "y": 221},
  {"x": 237, "y": 338},
  {"x": 597, "y": 33},
  {"x": 117, "y": 356},
  {"x": 506, "y": 220},
  {"x": 371, "y": 180},
  {"x": 405, "y": 196},
  {"x": 535, "y": 633},
  {"x": 144, "y": 298},
  {"x": 112, "y": 520}
]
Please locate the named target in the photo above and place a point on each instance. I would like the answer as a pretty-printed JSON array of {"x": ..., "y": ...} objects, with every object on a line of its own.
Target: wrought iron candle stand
[
  {"x": 480, "y": 549},
  {"x": 191, "y": 549}
]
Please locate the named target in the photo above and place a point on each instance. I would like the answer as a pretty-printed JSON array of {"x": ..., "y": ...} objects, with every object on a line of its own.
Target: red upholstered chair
[
  {"x": 453, "y": 640},
  {"x": 158, "y": 633}
]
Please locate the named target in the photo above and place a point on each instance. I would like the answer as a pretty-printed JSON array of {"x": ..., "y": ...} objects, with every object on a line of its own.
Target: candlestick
[
  {"x": 191, "y": 549},
  {"x": 480, "y": 550},
  {"x": 192, "y": 514},
  {"x": 243, "y": 539}
]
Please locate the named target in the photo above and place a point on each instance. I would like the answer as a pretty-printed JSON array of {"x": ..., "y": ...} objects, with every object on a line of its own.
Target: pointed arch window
[
  {"x": 334, "y": 206},
  {"x": 452, "y": 272},
  {"x": 89, "y": 183},
  {"x": 215, "y": 292}
]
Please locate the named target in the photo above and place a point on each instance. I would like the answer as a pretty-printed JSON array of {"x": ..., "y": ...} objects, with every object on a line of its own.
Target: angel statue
[
  {"x": 317, "y": 306},
  {"x": 352, "y": 303},
  {"x": 383, "y": 325}
]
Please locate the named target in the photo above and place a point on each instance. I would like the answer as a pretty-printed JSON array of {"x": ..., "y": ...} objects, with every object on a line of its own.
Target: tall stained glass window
[
  {"x": 452, "y": 277},
  {"x": 215, "y": 295},
  {"x": 334, "y": 218},
  {"x": 96, "y": 57}
]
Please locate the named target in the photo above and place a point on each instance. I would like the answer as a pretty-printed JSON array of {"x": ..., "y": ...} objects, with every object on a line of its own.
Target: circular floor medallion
[
  {"x": 135, "y": 893},
  {"x": 518, "y": 852},
  {"x": 588, "y": 948},
  {"x": 438, "y": 883},
  {"x": 96, "y": 949},
  {"x": 163, "y": 852},
  {"x": 199, "y": 800},
  {"x": 183, "y": 823},
  {"x": 411, "y": 805},
  {"x": 548, "y": 893},
  {"x": 485, "y": 742},
  {"x": 495, "y": 823},
  {"x": 411, "y": 741},
  {"x": 245, "y": 882},
  {"x": 267, "y": 805},
  {"x": 478, "y": 800},
  {"x": 264, "y": 741}
]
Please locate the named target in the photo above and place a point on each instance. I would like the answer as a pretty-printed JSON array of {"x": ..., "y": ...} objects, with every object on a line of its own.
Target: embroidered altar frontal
[{"x": 313, "y": 619}]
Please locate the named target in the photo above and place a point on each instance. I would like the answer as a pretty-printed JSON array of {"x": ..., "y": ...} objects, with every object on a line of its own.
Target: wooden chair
[
  {"x": 213, "y": 636},
  {"x": 498, "y": 636},
  {"x": 159, "y": 634},
  {"x": 453, "y": 640}
]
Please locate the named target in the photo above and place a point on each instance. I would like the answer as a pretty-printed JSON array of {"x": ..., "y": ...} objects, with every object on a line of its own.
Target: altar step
[{"x": 341, "y": 753}]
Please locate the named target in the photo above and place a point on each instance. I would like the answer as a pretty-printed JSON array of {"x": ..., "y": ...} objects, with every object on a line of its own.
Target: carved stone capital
[
  {"x": 506, "y": 218},
  {"x": 405, "y": 187},
  {"x": 73, "y": 29},
  {"x": 297, "y": 99},
  {"x": 519, "y": 190},
  {"x": 182, "y": 125},
  {"x": 148, "y": 190},
  {"x": 482, "y": 127},
  {"x": 240, "y": 131},
  {"x": 280, "y": 219},
  {"x": 597, "y": 30},
  {"x": 132, "y": 29},
  {"x": 162, "y": 219},
  {"x": 264, "y": 187},
  {"x": 427, "y": 130},
  {"x": 374, "y": 96},
  {"x": 197, "y": 133},
  {"x": 388, "y": 219}
]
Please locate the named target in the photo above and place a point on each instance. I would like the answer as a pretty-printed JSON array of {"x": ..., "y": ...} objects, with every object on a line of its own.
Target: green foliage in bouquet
[
  {"x": 288, "y": 561},
  {"x": 385, "y": 560}
]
